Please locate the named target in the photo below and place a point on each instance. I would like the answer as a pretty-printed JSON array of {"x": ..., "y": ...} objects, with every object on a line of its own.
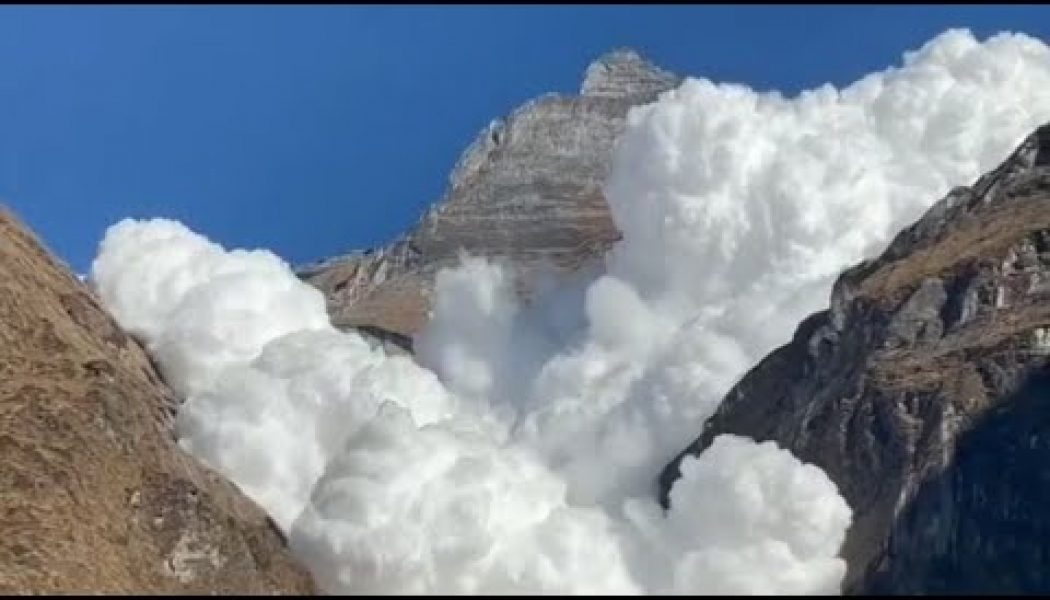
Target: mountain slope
[
  {"x": 921, "y": 392},
  {"x": 96, "y": 496},
  {"x": 528, "y": 190}
]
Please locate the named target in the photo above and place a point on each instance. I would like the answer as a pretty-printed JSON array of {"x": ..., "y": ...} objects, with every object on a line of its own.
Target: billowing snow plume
[
  {"x": 738, "y": 209},
  {"x": 272, "y": 389},
  {"x": 415, "y": 489},
  {"x": 520, "y": 454}
]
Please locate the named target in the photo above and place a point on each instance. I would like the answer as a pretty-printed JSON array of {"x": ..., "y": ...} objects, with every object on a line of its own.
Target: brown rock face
[
  {"x": 527, "y": 190},
  {"x": 95, "y": 494},
  {"x": 923, "y": 393}
]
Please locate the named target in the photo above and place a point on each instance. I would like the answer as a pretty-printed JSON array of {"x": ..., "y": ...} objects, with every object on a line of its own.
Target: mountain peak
[{"x": 623, "y": 72}]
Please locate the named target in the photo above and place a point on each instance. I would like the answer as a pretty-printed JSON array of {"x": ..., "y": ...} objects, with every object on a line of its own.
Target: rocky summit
[
  {"x": 527, "y": 190},
  {"x": 922, "y": 392},
  {"x": 96, "y": 495}
]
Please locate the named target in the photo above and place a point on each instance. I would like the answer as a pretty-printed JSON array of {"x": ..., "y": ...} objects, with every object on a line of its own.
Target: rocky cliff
[
  {"x": 96, "y": 496},
  {"x": 922, "y": 392},
  {"x": 528, "y": 190}
]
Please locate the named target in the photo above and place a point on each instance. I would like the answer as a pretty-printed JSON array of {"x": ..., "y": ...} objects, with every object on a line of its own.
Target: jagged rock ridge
[
  {"x": 922, "y": 393},
  {"x": 527, "y": 190},
  {"x": 95, "y": 494}
]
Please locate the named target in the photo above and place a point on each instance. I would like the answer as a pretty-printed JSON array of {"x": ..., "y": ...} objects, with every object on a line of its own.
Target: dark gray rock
[
  {"x": 919, "y": 318},
  {"x": 922, "y": 393}
]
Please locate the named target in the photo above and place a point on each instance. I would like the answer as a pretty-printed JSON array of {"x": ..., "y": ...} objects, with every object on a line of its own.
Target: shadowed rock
[{"x": 921, "y": 393}]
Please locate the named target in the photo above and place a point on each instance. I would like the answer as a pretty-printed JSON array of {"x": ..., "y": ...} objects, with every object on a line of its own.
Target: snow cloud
[{"x": 518, "y": 452}]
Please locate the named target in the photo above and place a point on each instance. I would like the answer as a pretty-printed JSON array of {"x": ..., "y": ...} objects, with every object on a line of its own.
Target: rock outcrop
[
  {"x": 95, "y": 494},
  {"x": 527, "y": 190},
  {"x": 923, "y": 393}
]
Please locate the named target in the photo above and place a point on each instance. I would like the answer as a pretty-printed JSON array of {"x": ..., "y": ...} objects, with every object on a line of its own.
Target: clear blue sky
[{"x": 314, "y": 130}]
